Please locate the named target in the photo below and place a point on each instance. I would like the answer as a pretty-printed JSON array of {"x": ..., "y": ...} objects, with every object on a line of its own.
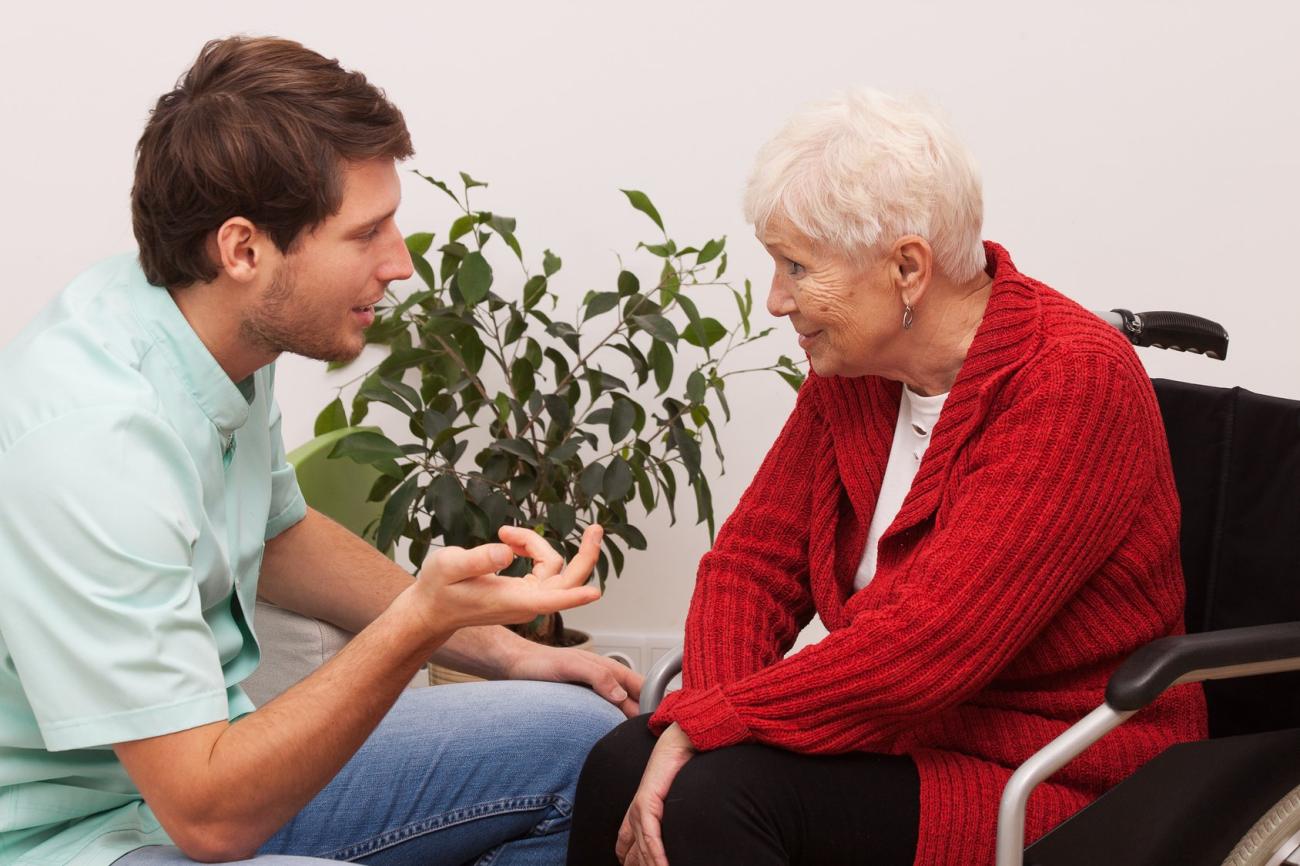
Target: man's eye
[{"x": 796, "y": 269}]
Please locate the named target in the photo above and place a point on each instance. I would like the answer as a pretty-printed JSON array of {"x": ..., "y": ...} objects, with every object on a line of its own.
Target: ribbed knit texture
[{"x": 1037, "y": 548}]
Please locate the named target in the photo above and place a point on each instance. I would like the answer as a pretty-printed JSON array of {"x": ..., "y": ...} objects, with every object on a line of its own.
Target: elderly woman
[{"x": 974, "y": 494}]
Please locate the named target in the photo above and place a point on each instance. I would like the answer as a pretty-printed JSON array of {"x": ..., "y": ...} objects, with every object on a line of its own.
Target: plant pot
[{"x": 441, "y": 676}]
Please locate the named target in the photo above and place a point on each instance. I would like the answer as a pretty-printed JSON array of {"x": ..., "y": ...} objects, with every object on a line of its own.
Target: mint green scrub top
[{"x": 138, "y": 487}]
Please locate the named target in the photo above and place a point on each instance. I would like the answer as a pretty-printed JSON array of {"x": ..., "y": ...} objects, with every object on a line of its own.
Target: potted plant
[{"x": 519, "y": 414}]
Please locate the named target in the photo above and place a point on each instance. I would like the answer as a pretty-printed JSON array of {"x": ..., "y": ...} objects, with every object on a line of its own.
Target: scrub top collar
[{"x": 224, "y": 402}]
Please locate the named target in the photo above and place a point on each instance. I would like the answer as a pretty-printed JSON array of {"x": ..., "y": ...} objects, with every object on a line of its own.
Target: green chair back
[{"x": 336, "y": 488}]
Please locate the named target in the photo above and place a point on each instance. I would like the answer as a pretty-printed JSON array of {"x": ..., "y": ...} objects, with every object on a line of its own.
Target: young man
[{"x": 147, "y": 504}]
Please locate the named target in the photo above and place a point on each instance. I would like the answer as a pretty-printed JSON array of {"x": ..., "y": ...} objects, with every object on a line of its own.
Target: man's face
[{"x": 322, "y": 297}]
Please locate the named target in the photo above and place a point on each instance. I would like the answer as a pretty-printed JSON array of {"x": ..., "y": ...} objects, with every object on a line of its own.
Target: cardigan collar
[{"x": 862, "y": 412}]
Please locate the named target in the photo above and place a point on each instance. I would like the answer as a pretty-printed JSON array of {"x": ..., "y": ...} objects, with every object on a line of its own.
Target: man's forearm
[
  {"x": 320, "y": 569},
  {"x": 292, "y": 746}
]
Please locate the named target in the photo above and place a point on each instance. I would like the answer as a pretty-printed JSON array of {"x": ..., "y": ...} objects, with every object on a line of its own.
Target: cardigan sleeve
[
  {"x": 1048, "y": 490},
  {"x": 751, "y": 594}
]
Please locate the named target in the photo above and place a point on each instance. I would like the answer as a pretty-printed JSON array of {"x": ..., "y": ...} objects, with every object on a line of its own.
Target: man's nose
[{"x": 398, "y": 265}]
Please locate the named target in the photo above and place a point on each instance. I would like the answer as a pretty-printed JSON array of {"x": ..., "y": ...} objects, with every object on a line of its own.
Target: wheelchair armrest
[
  {"x": 1211, "y": 655},
  {"x": 1238, "y": 652},
  {"x": 657, "y": 679}
]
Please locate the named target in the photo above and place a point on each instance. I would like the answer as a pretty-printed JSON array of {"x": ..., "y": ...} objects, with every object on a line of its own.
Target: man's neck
[{"x": 218, "y": 328}]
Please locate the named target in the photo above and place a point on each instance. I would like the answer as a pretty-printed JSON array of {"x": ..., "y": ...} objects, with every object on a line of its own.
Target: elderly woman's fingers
[
  {"x": 623, "y": 844},
  {"x": 525, "y": 542}
]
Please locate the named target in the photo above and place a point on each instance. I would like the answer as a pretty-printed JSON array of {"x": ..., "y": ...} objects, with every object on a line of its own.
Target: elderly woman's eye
[{"x": 796, "y": 269}]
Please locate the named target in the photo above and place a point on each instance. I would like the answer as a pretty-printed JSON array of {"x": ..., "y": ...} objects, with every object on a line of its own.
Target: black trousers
[{"x": 753, "y": 805}]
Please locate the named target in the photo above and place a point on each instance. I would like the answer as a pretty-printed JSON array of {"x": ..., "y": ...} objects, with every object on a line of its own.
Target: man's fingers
[
  {"x": 553, "y": 600},
  {"x": 579, "y": 568},
  {"x": 454, "y": 564},
  {"x": 526, "y": 542}
]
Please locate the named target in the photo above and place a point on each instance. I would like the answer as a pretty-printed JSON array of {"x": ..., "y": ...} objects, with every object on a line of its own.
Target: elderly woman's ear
[{"x": 911, "y": 267}]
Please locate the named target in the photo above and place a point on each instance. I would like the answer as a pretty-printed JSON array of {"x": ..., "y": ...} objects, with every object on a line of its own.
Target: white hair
[{"x": 861, "y": 170}]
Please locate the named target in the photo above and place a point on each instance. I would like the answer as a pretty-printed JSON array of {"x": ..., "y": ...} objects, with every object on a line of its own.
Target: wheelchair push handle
[{"x": 1181, "y": 332}]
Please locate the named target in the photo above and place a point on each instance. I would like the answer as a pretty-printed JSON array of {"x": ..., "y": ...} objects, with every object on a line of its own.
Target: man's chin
[{"x": 329, "y": 354}]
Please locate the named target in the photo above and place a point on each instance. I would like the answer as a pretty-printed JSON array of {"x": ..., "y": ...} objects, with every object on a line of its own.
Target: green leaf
[
  {"x": 744, "y": 313},
  {"x": 661, "y": 361},
  {"x": 461, "y": 227},
  {"x": 561, "y": 518},
  {"x": 375, "y": 391},
  {"x": 561, "y": 414},
  {"x": 403, "y": 390},
  {"x": 628, "y": 533},
  {"x": 711, "y": 250},
  {"x": 475, "y": 278},
  {"x": 518, "y": 447},
  {"x": 332, "y": 417},
  {"x": 440, "y": 185},
  {"x": 642, "y": 202},
  {"x": 628, "y": 284},
  {"x": 663, "y": 250},
  {"x": 617, "y": 482},
  {"x": 446, "y": 499},
  {"x": 622, "y": 416},
  {"x": 591, "y": 480},
  {"x": 600, "y": 302},
  {"x": 658, "y": 327},
  {"x": 418, "y": 244},
  {"x": 704, "y": 333},
  {"x": 470, "y": 182},
  {"x": 366, "y": 446},
  {"x": 565, "y": 332},
  {"x": 522, "y": 381},
  {"x": 505, "y": 227},
  {"x": 643, "y": 487},
  {"x": 550, "y": 263},
  {"x": 722, "y": 267},
  {"x": 688, "y": 447},
  {"x": 696, "y": 386},
  {"x": 397, "y": 511},
  {"x": 534, "y": 291},
  {"x": 561, "y": 365},
  {"x": 795, "y": 381}
]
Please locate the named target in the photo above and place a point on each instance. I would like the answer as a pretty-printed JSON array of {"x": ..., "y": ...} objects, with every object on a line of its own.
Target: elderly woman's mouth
[{"x": 805, "y": 340}]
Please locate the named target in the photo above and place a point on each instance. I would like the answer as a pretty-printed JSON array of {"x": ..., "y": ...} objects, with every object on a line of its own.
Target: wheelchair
[{"x": 1233, "y": 799}]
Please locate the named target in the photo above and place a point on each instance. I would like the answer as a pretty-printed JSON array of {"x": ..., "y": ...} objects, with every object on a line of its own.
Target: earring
[{"x": 907, "y": 317}]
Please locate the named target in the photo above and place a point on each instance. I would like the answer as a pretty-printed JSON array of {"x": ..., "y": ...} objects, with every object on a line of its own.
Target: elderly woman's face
[{"x": 845, "y": 312}]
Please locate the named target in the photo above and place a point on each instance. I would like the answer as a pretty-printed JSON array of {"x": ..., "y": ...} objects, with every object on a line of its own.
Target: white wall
[{"x": 1134, "y": 154}]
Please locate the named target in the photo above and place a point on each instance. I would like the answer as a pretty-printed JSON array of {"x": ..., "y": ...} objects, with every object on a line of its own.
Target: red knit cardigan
[{"x": 1037, "y": 548}]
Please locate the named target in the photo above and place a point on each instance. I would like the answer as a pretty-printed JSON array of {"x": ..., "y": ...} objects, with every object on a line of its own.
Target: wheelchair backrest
[{"x": 1236, "y": 459}]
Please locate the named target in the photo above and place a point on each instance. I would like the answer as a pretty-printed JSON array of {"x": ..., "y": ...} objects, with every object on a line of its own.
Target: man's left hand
[{"x": 619, "y": 685}]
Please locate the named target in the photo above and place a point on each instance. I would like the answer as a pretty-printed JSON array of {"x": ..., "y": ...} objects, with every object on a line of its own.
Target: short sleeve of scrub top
[{"x": 106, "y": 631}]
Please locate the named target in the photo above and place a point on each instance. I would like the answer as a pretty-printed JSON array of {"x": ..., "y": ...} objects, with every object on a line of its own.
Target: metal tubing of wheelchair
[
  {"x": 1043, "y": 763},
  {"x": 657, "y": 680}
]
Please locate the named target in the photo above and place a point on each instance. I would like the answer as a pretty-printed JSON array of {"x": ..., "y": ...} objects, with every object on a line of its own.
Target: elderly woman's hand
[{"x": 640, "y": 842}]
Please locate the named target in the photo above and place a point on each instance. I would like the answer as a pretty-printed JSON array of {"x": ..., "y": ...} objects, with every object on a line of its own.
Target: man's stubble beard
[{"x": 274, "y": 328}]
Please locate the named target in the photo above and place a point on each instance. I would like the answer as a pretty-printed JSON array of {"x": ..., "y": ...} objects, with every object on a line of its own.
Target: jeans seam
[{"x": 455, "y": 817}]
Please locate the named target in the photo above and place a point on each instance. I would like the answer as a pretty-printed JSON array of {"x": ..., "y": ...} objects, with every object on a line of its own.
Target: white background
[{"x": 1134, "y": 154}]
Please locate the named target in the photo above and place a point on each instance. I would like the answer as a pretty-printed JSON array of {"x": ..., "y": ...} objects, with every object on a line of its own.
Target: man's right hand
[{"x": 459, "y": 587}]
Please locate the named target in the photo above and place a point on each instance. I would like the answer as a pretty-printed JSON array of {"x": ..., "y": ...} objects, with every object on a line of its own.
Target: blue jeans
[{"x": 479, "y": 773}]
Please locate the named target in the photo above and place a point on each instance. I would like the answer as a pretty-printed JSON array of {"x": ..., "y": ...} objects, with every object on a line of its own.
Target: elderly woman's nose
[{"x": 779, "y": 301}]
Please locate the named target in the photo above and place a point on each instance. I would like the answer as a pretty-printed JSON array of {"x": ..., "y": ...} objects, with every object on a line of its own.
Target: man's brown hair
[{"x": 259, "y": 128}]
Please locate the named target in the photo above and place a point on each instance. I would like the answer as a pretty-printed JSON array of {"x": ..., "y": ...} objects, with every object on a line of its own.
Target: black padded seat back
[{"x": 1236, "y": 459}]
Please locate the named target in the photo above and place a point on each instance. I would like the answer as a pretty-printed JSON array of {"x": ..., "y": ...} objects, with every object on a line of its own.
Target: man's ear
[
  {"x": 238, "y": 249},
  {"x": 912, "y": 267}
]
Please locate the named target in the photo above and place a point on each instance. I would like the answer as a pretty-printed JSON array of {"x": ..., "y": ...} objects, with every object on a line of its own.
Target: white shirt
[{"x": 917, "y": 416}]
